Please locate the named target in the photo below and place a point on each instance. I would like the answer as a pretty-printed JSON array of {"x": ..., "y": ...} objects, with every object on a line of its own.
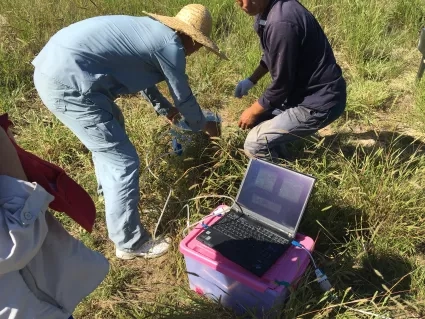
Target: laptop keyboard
[{"x": 235, "y": 227}]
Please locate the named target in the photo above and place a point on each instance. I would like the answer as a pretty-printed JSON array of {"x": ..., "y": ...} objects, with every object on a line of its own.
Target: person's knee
[
  {"x": 335, "y": 113},
  {"x": 132, "y": 162},
  {"x": 253, "y": 145},
  {"x": 339, "y": 110},
  {"x": 120, "y": 161}
]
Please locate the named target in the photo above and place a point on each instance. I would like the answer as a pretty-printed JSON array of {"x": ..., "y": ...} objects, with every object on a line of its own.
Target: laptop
[{"x": 264, "y": 219}]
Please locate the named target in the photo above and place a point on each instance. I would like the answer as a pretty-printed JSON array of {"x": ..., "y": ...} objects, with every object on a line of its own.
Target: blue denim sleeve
[
  {"x": 159, "y": 102},
  {"x": 172, "y": 62}
]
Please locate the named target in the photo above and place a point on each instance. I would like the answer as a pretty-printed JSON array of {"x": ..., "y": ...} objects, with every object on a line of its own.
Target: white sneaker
[{"x": 151, "y": 249}]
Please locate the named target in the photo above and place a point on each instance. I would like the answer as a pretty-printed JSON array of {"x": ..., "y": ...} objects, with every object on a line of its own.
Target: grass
[{"x": 367, "y": 211}]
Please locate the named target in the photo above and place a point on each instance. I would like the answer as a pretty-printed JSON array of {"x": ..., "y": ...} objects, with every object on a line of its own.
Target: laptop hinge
[{"x": 248, "y": 213}]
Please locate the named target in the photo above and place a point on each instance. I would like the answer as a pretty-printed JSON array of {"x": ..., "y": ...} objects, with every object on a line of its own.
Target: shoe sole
[
  {"x": 126, "y": 257},
  {"x": 130, "y": 256},
  {"x": 156, "y": 256}
]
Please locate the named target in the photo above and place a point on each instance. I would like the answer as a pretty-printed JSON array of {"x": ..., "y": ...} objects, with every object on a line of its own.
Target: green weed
[{"x": 367, "y": 211}]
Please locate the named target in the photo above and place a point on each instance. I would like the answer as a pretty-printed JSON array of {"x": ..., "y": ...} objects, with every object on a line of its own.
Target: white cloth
[{"x": 44, "y": 271}]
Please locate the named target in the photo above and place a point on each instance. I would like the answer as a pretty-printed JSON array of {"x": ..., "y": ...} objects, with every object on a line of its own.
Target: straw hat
[{"x": 194, "y": 20}]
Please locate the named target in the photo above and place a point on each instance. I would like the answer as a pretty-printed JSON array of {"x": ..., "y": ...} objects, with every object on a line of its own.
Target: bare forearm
[
  {"x": 256, "y": 108},
  {"x": 258, "y": 73},
  {"x": 10, "y": 164}
]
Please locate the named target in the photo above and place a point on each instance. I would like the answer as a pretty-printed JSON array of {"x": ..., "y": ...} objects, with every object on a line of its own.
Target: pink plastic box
[{"x": 214, "y": 276}]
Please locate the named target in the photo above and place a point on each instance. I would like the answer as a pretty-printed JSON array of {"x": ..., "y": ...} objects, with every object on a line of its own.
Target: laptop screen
[{"x": 275, "y": 193}]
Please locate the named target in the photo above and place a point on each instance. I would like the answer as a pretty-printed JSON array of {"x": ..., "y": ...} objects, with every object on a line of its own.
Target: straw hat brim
[{"x": 196, "y": 35}]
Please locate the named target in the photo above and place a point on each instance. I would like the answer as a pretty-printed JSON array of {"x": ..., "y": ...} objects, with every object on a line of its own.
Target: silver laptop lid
[{"x": 275, "y": 195}]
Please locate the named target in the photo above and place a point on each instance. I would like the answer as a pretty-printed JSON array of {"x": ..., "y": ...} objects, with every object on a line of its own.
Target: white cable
[
  {"x": 209, "y": 196},
  {"x": 299, "y": 245},
  {"x": 202, "y": 219},
  {"x": 154, "y": 160},
  {"x": 188, "y": 215},
  {"x": 194, "y": 224},
  {"x": 148, "y": 164},
  {"x": 188, "y": 226},
  {"x": 368, "y": 313},
  {"x": 150, "y": 171},
  {"x": 216, "y": 212},
  {"x": 169, "y": 194},
  {"x": 162, "y": 213},
  {"x": 311, "y": 257}
]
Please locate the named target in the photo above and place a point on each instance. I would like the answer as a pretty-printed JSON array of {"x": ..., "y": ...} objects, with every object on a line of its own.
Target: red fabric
[{"x": 70, "y": 197}]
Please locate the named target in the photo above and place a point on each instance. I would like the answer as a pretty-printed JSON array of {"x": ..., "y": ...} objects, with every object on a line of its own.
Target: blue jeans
[
  {"x": 276, "y": 127},
  {"x": 98, "y": 123}
]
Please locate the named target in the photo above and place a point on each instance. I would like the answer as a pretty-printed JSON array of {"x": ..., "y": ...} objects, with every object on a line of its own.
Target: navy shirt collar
[{"x": 261, "y": 19}]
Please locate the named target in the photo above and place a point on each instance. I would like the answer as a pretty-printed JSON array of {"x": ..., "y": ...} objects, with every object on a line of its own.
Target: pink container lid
[{"x": 288, "y": 268}]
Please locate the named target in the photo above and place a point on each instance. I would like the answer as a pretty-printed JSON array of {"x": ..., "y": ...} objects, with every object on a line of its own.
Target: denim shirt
[{"x": 118, "y": 55}]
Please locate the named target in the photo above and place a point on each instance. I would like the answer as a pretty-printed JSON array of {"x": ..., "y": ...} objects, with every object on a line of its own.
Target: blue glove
[{"x": 243, "y": 87}]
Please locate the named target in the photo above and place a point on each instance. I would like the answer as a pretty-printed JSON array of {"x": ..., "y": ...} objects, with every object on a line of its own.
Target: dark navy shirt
[{"x": 299, "y": 58}]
